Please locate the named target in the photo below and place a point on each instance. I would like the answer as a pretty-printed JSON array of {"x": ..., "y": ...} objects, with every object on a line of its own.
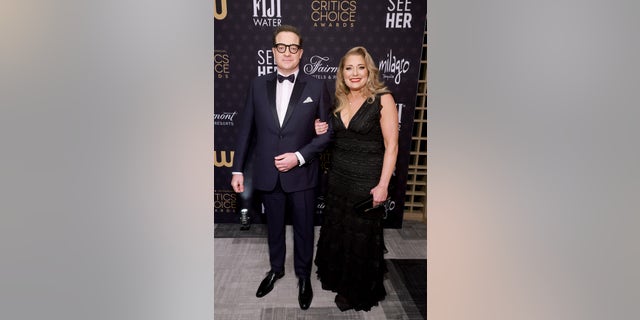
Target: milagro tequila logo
[
  {"x": 393, "y": 68},
  {"x": 318, "y": 68},
  {"x": 267, "y": 13}
]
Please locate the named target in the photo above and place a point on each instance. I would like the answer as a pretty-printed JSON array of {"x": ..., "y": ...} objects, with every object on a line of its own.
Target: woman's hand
[
  {"x": 321, "y": 127},
  {"x": 379, "y": 195}
]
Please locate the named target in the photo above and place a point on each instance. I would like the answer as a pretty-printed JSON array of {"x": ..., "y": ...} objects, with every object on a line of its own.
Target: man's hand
[
  {"x": 237, "y": 183},
  {"x": 286, "y": 161}
]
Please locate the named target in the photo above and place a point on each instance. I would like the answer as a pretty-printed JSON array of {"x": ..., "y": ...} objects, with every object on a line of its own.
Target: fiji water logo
[
  {"x": 267, "y": 13},
  {"x": 393, "y": 67}
]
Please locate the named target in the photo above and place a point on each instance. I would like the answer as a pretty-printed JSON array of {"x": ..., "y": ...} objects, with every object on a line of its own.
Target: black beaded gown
[{"x": 349, "y": 253}]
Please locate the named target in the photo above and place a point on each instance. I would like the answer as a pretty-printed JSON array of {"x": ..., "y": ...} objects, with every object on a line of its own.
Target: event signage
[{"x": 391, "y": 30}]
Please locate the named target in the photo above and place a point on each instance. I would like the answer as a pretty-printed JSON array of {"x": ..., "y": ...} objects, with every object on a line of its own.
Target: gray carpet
[{"x": 241, "y": 260}]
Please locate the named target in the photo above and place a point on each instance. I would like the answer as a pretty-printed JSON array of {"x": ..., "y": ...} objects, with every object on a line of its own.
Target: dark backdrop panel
[{"x": 391, "y": 30}]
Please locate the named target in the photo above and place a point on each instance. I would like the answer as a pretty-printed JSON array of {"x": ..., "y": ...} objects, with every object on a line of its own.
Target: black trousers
[{"x": 302, "y": 205}]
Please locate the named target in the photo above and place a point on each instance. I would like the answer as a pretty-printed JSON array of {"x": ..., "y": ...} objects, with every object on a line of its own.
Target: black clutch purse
[{"x": 365, "y": 209}]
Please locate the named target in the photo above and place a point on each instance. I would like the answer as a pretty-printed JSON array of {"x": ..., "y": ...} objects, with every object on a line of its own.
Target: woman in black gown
[{"x": 364, "y": 125}]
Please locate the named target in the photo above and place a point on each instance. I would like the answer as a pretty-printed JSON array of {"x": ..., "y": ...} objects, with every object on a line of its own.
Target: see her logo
[{"x": 399, "y": 15}]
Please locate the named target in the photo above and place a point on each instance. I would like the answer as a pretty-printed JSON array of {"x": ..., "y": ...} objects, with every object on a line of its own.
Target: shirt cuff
[
  {"x": 300, "y": 159},
  {"x": 236, "y": 172}
]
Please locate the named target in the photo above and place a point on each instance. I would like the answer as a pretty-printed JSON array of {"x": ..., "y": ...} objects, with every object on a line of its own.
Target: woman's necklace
[
  {"x": 355, "y": 101},
  {"x": 354, "y": 105}
]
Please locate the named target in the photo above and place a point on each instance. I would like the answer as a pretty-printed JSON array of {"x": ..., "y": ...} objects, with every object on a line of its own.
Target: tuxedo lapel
[
  {"x": 271, "y": 99},
  {"x": 293, "y": 101}
]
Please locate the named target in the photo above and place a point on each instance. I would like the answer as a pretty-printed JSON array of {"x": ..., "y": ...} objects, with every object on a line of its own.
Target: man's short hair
[{"x": 287, "y": 28}]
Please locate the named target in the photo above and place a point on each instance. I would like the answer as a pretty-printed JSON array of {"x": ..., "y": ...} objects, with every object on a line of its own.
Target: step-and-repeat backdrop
[{"x": 391, "y": 30}]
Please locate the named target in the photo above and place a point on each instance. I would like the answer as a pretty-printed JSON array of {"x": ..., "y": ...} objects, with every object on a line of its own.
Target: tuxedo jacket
[{"x": 309, "y": 100}]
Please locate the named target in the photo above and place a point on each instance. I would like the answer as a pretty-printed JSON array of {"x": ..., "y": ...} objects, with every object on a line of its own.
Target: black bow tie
[{"x": 291, "y": 78}]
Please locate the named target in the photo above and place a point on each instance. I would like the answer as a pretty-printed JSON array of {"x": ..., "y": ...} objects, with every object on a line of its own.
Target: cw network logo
[
  {"x": 267, "y": 13},
  {"x": 223, "y": 158},
  {"x": 220, "y": 15}
]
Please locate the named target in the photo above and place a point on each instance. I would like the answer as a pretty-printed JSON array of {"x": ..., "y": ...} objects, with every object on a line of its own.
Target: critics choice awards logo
[
  {"x": 398, "y": 14},
  {"x": 393, "y": 68},
  {"x": 221, "y": 64},
  {"x": 267, "y": 13},
  {"x": 333, "y": 13},
  {"x": 225, "y": 201}
]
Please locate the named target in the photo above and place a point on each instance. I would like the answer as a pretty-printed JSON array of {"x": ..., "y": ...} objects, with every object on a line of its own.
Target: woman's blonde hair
[{"x": 373, "y": 87}]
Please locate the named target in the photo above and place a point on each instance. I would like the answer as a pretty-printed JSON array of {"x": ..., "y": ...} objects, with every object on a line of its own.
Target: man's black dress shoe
[
  {"x": 305, "y": 293},
  {"x": 267, "y": 284}
]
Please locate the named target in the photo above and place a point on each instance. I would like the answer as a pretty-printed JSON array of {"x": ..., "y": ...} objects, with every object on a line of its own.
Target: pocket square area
[{"x": 307, "y": 100}]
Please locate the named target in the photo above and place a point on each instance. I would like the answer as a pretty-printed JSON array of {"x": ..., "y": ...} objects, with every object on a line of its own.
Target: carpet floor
[{"x": 241, "y": 260}]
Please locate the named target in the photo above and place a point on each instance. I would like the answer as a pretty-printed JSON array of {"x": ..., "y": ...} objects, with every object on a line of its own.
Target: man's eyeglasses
[{"x": 281, "y": 47}]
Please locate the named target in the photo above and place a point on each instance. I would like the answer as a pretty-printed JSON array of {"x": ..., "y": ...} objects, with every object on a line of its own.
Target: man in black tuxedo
[{"x": 279, "y": 114}]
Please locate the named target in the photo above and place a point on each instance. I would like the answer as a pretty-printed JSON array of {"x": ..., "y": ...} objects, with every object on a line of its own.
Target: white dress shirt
[{"x": 283, "y": 95}]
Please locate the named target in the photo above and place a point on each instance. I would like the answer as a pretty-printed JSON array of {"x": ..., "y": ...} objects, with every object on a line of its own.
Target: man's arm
[
  {"x": 319, "y": 142},
  {"x": 243, "y": 139},
  {"x": 244, "y": 131}
]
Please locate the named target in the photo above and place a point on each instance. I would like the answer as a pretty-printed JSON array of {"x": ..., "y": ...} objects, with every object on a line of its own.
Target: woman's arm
[
  {"x": 321, "y": 127},
  {"x": 389, "y": 125}
]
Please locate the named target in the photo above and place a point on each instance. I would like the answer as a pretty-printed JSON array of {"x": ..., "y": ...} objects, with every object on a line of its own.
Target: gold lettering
[
  {"x": 223, "y": 162},
  {"x": 223, "y": 13}
]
